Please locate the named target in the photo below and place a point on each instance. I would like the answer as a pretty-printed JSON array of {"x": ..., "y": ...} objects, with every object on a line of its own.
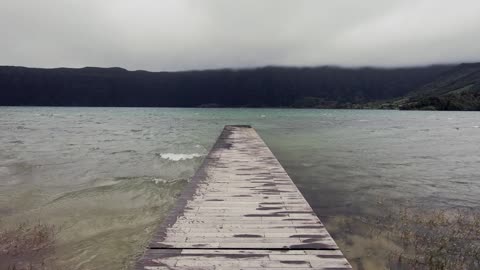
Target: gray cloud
[{"x": 192, "y": 34}]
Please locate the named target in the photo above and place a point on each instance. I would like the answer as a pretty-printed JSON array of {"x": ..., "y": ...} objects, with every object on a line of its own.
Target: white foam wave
[
  {"x": 178, "y": 157},
  {"x": 159, "y": 181}
]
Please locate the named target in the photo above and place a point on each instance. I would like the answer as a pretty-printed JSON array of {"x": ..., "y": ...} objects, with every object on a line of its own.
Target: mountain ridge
[{"x": 271, "y": 86}]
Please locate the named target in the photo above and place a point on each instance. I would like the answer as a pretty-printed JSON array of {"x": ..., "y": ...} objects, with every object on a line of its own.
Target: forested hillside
[
  {"x": 456, "y": 89},
  {"x": 323, "y": 87}
]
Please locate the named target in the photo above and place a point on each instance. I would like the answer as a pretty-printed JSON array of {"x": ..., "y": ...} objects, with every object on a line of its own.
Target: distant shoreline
[{"x": 255, "y": 108}]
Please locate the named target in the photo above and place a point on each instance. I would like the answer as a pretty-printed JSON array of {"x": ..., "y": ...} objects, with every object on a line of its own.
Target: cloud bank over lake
[{"x": 188, "y": 34}]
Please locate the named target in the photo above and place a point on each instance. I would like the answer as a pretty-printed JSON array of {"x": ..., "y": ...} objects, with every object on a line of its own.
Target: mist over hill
[{"x": 320, "y": 87}]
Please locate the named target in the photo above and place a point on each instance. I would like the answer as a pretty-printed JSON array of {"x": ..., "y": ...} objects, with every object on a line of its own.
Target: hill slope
[
  {"x": 269, "y": 86},
  {"x": 455, "y": 89}
]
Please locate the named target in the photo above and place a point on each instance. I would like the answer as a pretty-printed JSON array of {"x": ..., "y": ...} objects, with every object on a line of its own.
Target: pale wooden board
[
  {"x": 244, "y": 259},
  {"x": 242, "y": 211}
]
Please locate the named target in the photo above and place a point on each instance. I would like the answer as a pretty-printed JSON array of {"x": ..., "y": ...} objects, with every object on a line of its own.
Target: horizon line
[{"x": 250, "y": 68}]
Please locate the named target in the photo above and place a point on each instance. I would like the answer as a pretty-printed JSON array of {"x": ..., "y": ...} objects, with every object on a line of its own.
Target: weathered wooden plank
[
  {"x": 246, "y": 259},
  {"x": 242, "y": 211}
]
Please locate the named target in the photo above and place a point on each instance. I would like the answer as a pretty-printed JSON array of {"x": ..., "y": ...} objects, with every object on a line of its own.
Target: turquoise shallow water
[{"x": 105, "y": 176}]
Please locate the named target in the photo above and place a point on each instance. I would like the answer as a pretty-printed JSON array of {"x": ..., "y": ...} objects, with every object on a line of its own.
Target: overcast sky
[{"x": 197, "y": 34}]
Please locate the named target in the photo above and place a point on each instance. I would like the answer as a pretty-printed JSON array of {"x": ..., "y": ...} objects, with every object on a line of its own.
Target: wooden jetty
[{"x": 242, "y": 211}]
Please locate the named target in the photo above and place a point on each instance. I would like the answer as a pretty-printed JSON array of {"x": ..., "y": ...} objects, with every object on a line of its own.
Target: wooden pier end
[{"x": 241, "y": 211}]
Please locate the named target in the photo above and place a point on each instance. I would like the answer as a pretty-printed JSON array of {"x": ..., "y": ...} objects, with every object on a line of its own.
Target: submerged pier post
[{"x": 242, "y": 211}]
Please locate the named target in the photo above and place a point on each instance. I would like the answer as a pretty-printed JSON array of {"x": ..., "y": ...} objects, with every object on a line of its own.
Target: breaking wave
[{"x": 178, "y": 157}]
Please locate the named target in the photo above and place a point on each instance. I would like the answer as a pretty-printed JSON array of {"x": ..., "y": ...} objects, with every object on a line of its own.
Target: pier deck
[{"x": 242, "y": 211}]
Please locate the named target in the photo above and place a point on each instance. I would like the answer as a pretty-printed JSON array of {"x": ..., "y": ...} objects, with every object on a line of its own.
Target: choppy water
[{"x": 106, "y": 176}]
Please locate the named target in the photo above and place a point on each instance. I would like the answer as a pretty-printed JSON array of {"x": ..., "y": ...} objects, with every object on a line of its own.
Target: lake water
[{"x": 105, "y": 177}]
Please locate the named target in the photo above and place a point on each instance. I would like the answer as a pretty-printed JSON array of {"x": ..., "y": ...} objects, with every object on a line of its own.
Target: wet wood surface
[{"x": 241, "y": 210}]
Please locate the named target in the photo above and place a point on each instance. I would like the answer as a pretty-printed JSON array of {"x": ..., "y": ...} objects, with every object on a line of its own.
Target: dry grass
[
  {"x": 433, "y": 240},
  {"x": 26, "y": 247}
]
